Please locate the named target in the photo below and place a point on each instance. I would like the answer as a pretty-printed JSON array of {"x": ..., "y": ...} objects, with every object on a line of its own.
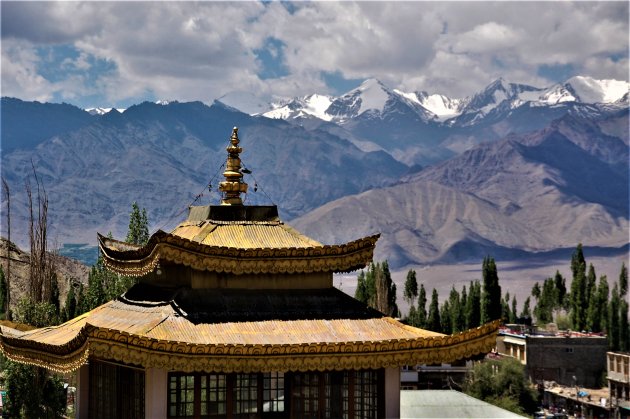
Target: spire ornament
[{"x": 233, "y": 185}]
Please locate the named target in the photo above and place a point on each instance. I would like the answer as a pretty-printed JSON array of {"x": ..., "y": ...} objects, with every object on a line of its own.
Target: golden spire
[{"x": 233, "y": 185}]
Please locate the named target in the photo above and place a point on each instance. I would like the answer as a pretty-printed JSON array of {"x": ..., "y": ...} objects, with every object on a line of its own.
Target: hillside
[
  {"x": 66, "y": 269},
  {"x": 523, "y": 194}
]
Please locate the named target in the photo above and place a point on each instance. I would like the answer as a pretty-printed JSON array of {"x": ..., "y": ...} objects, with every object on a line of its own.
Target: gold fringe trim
[
  {"x": 177, "y": 356},
  {"x": 166, "y": 247}
]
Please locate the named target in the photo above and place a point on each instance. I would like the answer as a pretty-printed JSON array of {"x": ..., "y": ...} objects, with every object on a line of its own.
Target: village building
[
  {"x": 235, "y": 316},
  {"x": 567, "y": 358},
  {"x": 618, "y": 375}
]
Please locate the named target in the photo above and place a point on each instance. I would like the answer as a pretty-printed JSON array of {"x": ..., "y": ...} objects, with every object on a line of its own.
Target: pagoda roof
[
  {"x": 238, "y": 247},
  {"x": 225, "y": 330}
]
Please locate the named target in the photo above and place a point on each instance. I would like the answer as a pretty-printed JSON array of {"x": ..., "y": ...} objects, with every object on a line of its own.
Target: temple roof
[
  {"x": 126, "y": 259},
  {"x": 208, "y": 325},
  {"x": 227, "y": 330}
]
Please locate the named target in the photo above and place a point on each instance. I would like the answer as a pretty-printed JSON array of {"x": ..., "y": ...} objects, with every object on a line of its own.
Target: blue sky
[{"x": 115, "y": 54}]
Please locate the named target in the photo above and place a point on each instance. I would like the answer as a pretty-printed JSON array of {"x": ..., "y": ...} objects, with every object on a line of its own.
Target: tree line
[
  {"x": 34, "y": 391},
  {"x": 589, "y": 305}
]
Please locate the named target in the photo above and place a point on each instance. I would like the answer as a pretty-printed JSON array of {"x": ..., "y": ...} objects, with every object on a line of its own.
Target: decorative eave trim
[
  {"x": 167, "y": 247},
  {"x": 103, "y": 343}
]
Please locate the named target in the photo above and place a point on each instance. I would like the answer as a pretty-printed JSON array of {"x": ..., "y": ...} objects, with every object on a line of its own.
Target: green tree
[
  {"x": 624, "y": 328},
  {"x": 526, "y": 313},
  {"x": 422, "y": 307},
  {"x": 70, "y": 307},
  {"x": 456, "y": 312},
  {"x": 613, "y": 320},
  {"x": 473, "y": 305},
  {"x": 502, "y": 383},
  {"x": 505, "y": 308},
  {"x": 445, "y": 318},
  {"x": 433, "y": 320},
  {"x": 561, "y": 289},
  {"x": 598, "y": 307},
  {"x": 138, "y": 232},
  {"x": 513, "y": 314},
  {"x": 579, "y": 305},
  {"x": 361, "y": 293},
  {"x": 33, "y": 392},
  {"x": 623, "y": 280},
  {"x": 491, "y": 297},
  {"x": 411, "y": 287},
  {"x": 82, "y": 302},
  {"x": 546, "y": 301}
]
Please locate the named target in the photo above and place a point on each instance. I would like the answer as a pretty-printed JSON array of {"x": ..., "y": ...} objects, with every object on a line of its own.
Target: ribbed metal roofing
[
  {"x": 245, "y": 235},
  {"x": 167, "y": 321}
]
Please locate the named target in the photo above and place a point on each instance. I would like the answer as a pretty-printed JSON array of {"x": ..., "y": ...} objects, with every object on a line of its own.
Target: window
[
  {"x": 334, "y": 394},
  {"x": 245, "y": 396},
  {"x": 201, "y": 395},
  {"x": 181, "y": 396},
  {"x": 115, "y": 391},
  {"x": 342, "y": 394},
  {"x": 365, "y": 394},
  {"x": 273, "y": 392},
  {"x": 213, "y": 394}
]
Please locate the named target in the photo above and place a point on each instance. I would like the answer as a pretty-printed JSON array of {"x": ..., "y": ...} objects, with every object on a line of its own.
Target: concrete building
[
  {"x": 566, "y": 358},
  {"x": 618, "y": 375}
]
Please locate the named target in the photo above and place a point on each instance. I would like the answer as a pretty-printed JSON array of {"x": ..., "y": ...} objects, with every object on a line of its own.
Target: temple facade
[{"x": 235, "y": 316}]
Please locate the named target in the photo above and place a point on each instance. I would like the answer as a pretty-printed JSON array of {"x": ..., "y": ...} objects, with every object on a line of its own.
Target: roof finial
[{"x": 233, "y": 185}]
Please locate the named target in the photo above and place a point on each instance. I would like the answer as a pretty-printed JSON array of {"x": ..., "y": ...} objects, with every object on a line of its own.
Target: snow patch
[{"x": 373, "y": 96}]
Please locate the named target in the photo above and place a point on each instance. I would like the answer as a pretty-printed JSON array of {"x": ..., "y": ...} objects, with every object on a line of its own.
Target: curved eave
[
  {"x": 177, "y": 356},
  {"x": 122, "y": 259}
]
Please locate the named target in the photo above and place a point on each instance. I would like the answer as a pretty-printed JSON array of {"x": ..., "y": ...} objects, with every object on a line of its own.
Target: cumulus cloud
[{"x": 200, "y": 51}]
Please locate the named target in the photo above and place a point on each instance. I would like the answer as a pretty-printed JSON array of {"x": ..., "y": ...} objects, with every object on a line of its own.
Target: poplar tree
[
  {"x": 491, "y": 297},
  {"x": 624, "y": 328},
  {"x": 70, "y": 307},
  {"x": 411, "y": 287},
  {"x": 361, "y": 292},
  {"x": 513, "y": 314},
  {"x": 579, "y": 305},
  {"x": 445, "y": 318},
  {"x": 613, "y": 320},
  {"x": 526, "y": 313},
  {"x": 422, "y": 307},
  {"x": 456, "y": 313},
  {"x": 561, "y": 289},
  {"x": 473, "y": 305},
  {"x": 138, "y": 232},
  {"x": 433, "y": 320}
]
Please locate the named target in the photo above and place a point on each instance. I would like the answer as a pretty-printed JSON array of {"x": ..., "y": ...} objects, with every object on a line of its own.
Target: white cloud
[
  {"x": 200, "y": 51},
  {"x": 20, "y": 77}
]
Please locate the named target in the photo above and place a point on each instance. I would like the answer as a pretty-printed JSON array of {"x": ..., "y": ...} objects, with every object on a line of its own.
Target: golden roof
[
  {"x": 129, "y": 260},
  {"x": 161, "y": 334},
  {"x": 244, "y": 234}
]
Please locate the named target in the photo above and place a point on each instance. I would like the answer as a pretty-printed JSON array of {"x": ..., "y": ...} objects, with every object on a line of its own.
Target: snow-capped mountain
[
  {"x": 375, "y": 98},
  {"x": 102, "y": 111},
  {"x": 442, "y": 106},
  {"x": 303, "y": 107},
  {"x": 586, "y": 90},
  {"x": 497, "y": 93}
]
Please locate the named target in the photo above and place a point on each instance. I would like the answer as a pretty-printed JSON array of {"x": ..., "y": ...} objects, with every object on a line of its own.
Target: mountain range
[{"x": 511, "y": 170}]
